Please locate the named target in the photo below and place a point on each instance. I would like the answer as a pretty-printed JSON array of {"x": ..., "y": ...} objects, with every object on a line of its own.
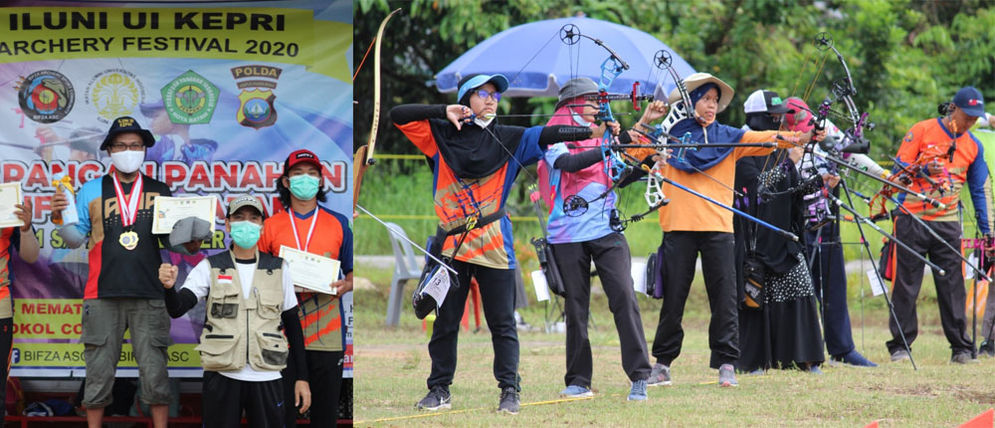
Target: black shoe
[
  {"x": 987, "y": 349},
  {"x": 509, "y": 401},
  {"x": 438, "y": 398},
  {"x": 963, "y": 358}
]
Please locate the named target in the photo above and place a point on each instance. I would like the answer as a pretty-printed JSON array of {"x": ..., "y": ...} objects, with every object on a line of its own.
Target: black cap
[{"x": 126, "y": 124}]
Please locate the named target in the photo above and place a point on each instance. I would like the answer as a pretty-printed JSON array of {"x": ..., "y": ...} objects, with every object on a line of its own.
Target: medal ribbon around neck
[
  {"x": 128, "y": 207},
  {"x": 293, "y": 225}
]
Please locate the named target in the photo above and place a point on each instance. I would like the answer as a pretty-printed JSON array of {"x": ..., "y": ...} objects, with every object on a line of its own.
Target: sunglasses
[{"x": 484, "y": 94}]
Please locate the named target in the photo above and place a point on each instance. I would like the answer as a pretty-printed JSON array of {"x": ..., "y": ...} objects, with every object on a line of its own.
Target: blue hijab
[{"x": 704, "y": 157}]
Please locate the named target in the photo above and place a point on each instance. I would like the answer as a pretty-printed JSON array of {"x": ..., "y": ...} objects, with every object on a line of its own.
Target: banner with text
[{"x": 228, "y": 93}]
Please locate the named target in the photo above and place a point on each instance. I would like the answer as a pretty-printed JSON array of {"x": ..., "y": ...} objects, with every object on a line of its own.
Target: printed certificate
[
  {"x": 169, "y": 210},
  {"x": 311, "y": 271},
  {"x": 10, "y": 195}
]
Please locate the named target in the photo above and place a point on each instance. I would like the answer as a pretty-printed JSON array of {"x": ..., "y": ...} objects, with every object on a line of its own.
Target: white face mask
[
  {"x": 128, "y": 161},
  {"x": 483, "y": 123},
  {"x": 579, "y": 119}
]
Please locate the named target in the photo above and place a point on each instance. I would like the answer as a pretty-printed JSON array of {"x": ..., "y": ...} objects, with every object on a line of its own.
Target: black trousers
[
  {"x": 829, "y": 279},
  {"x": 681, "y": 250},
  {"x": 497, "y": 295},
  {"x": 225, "y": 398},
  {"x": 324, "y": 369},
  {"x": 950, "y": 293},
  {"x": 6, "y": 341},
  {"x": 613, "y": 263}
]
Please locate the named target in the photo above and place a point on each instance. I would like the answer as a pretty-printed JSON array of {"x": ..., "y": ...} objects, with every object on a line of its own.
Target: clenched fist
[{"x": 167, "y": 275}]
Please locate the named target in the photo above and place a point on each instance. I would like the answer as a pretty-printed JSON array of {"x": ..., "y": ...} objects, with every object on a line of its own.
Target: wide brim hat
[
  {"x": 124, "y": 125},
  {"x": 695, "y": 81}
]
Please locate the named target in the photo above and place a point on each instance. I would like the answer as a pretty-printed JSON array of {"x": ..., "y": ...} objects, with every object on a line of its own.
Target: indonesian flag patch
[{"x": 224, "y": 279}]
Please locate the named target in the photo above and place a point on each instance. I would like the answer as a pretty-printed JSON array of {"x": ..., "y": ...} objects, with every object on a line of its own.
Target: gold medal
[{"x": 128, "y": 240}]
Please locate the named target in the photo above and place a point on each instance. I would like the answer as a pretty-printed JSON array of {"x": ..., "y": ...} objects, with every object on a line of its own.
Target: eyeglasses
[
  {"x": 484, "y": 94},
  {"x": 120, "y": 147}
]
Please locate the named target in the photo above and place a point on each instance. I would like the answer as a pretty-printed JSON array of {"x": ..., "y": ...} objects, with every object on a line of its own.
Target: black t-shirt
[{"x": 114, "y": 270}]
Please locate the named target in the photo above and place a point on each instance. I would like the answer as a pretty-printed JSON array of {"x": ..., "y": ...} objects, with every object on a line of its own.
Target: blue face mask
[
  {"x": 304, "y": 186},
  {"x": 245, "y": 233}
]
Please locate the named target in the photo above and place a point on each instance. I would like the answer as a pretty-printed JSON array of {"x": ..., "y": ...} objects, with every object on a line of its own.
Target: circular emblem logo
[
  {"x": 256, "y": 110},
  {"x": 114, "y": 93},
  {"x": 46, "y": 96}
]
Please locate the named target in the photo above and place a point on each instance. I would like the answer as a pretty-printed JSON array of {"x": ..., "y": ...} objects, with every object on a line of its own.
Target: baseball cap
[
  {"x": 245, "y": 201},
  {"x": 971, "y": 101},
  {"x": 500, "y": 82},
  {"x": 126, "y": 124},
  {"x": 575, "y": 88},
  {"x": 799, "y": 116},
  {"x": 761, "y": 101},
  {"x": 301, "y": 156}
]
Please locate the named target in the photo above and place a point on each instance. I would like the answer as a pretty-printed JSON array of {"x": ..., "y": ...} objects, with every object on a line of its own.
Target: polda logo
[
  {"x": 257, "y": 83},
  {"x": 114, "y": 93}
]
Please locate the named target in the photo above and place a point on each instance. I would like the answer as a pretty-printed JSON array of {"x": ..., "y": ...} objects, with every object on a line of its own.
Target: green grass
[{"x": 392, "y": 364}]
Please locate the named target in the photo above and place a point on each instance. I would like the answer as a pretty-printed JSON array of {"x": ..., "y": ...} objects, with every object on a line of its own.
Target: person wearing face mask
[
  {"x": 122, "y": 290},
  {"x": 580, "y": 237},
  {"x": 475, "y": 161},
  {"x": 307, "y": 226},
  {"x": 691, "y": 225},
  {"x": 779, "y": 328},
  {"x": 251, "y": 320},
  {"x": 945, "y": 150}
]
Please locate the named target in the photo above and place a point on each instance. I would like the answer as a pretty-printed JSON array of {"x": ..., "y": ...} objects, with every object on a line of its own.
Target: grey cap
[
  {"x": 245, "y": 201},
  {"x": 189, "y": 229},
  {"x": 576, "y": 87}
]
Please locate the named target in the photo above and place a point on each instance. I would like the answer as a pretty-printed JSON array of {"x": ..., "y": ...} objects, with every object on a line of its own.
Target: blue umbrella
[{"x": 536, "y": 62}]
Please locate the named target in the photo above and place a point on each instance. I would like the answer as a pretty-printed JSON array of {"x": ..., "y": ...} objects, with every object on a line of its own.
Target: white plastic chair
[{"x": 405, "y": 267}]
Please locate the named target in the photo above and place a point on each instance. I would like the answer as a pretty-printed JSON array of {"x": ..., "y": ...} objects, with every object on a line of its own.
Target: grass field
[{"x": 392, "y": 364}]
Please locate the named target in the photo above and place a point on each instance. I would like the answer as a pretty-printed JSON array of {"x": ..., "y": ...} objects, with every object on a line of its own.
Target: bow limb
[{"x": 363, "y": 157}]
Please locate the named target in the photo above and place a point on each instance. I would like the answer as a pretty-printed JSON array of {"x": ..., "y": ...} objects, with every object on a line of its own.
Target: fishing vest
[{"x": 241, "y": 330}]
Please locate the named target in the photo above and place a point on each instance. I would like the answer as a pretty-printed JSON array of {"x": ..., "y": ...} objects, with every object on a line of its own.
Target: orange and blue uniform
[
  {"x": 930, "y": 138},
  {"x": 321, "y": 314}
]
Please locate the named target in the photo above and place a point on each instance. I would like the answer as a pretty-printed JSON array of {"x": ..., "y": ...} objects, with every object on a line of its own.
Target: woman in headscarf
[
  {"x": 779, "y": 322},
  {"x": 692, "y": 225},
  {"x": 474, "y": 161},
  {"x": 582, "y": 232}
]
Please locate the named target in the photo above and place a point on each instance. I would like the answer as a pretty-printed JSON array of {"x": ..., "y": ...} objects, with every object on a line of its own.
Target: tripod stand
[{"x": 863, "y": 239}]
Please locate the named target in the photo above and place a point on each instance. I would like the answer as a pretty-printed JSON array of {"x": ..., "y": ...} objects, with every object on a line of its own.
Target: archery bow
[{"x": 363, "y": 157}]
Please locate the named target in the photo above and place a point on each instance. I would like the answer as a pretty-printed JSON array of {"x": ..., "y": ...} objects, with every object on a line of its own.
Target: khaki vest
[{"x": 238, "y": 329}]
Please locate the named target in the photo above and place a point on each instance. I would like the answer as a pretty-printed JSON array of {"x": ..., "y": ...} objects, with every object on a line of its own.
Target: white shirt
[{"x": 199, "y": 282}]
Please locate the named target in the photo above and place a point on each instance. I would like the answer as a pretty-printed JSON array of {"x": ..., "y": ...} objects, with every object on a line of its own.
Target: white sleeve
[
  {"x": 289, "y": 298},
  {"x": 199, "y": 280}
]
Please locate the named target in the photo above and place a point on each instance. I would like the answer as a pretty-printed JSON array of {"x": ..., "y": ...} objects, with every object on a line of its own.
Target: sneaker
[
  {"x": 576, "y": 391},
  {"x": 815, "y": 370},
  {"x": 987, "y": 349},
  {"x": 727, "y": 376},
  {"x": 963, "y": 358},
  {"x": 437, "y": 398},
  {"x": 509, "y": 401},
  {"x": 854, "y": 358},
  {"x": 638, "y": 391},
  {"x": 660, "y": 375},
  {"x": 900, "y": 355}
]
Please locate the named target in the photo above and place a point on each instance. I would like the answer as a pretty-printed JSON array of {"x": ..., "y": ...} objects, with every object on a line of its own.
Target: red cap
[
  {"x": 299, "y": 156},
  {"x": 799, "y": 116}
]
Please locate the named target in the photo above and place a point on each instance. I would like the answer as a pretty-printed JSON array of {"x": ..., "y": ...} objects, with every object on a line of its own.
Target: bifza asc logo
[
  {"x": 46, "y": 96},
  {"x": 114, "y": 93},
  {"x": 257, "y": 83},
  {"x": 190, "y": 99}
]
